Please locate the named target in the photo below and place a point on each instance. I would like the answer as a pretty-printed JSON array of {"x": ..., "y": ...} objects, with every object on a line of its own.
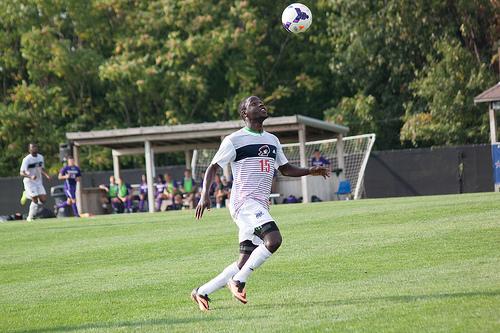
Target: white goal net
[{"x": 356, "y": 152}]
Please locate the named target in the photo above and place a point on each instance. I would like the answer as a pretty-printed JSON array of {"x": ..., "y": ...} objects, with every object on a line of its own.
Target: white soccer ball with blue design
[{"x": 296, "y": 18}]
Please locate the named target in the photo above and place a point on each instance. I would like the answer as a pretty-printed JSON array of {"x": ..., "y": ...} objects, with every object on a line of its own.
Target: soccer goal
[
  {"x": 355, "y": 157},
  {"x": 356, "y": 152}
]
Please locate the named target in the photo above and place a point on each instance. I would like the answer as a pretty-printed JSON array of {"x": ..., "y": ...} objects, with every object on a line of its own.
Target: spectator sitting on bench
[
  {"x": 223, "y": 192},
  {"x": 177, "y": 203},
  {"x": 220, "y": 191},
  {"x": 188, "y": 188},
  {"x": 159, "y": 188},
  {"x": 197, "y": 195},
  {"x": 111, "y": 195},
  {"x": 124, "y": 195},
  {"x": 143, "y": 193},
  {"x": 169, "y": 191},
  {"x": 319, "y": 160}
]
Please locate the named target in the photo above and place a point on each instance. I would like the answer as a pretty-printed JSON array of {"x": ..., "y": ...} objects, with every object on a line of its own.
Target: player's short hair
[{"x": 70, "y": 157}]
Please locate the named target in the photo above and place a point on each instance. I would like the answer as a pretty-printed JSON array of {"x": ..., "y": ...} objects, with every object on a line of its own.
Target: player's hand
[
  {"x": 47, "y": 176},
  {"x": 319, "y": 171},
  {"x": 202, "y": 205},
  {"x": 33, "y": 177}
]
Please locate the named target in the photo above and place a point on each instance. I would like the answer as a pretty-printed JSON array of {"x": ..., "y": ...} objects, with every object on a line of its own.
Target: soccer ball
[{"x": 296, "y": 18}]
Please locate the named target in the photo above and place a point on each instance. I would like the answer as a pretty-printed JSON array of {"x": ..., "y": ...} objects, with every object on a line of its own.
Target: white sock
[
  {"x": 219, "y": 281},
  {"x": 33, "y": 210},
  {"x": 217, "y": 205},
  {"x": 257, "y": 258}
]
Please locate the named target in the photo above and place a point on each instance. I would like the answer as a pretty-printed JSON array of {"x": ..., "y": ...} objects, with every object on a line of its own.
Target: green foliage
[
  {"x": 443, "y": 111},
  {"x": 355, "y": 112},
  {"x": 379, "y": 48},
  {"x": 371, "y": 65}
]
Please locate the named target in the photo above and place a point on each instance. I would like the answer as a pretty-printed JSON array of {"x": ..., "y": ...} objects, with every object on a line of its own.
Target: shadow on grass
[
  {"x": 122, "y": 324},
  {"x": 260, "y": 306},
  {"x": 395, "y": 299}
]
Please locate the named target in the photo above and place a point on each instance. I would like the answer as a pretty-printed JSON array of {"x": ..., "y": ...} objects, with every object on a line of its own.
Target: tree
[
  {"x": 442, "y": 110},
  {"x": 379, "y": 47},
  {"x": 375, "y": 66}
]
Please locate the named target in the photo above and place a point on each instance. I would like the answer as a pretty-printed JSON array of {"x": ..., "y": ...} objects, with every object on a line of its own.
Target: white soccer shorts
[
  {"x": 33, "y": 189},
  {"x": 250, "y": 216}
]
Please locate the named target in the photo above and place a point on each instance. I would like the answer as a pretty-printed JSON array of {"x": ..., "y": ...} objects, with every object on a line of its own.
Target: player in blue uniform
[{"x": 71, "y": 175}]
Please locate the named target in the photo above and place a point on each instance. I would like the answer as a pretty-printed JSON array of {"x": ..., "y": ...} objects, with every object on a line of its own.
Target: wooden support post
[
  {"x": 148, "y": 155},
  {"x": 76, "y": 157},
  {"x": 193, "y": 164},
  {"x": 303, "y": 162},
  {"x": 493, "y": 133},
  {"x": 116, "y": 165},
  {"x": 340, "y": 156},
  {"x": 493, "y": 125},
  {"x": 188, "y": 157}
]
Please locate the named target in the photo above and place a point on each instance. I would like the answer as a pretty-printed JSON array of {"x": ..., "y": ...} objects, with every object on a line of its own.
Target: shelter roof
[
  {"x": 204, "y": 134},
  {"x": 490, "y": 95}
]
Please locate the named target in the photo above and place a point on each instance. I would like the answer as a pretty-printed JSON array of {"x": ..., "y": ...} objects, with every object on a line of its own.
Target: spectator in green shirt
[
  {"x": 188, "y": 188},
  {"x": 170, "y": 189},
  {"x": 124, "y": 195},
  {"x": 112, "y": 194}
]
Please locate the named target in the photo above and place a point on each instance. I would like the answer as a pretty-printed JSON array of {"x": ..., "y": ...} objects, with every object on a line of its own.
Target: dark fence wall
[
  {"x": 429, "y": 171},
  {"x": 11, "y": 188},
  {"x": 393, "y": 173}
]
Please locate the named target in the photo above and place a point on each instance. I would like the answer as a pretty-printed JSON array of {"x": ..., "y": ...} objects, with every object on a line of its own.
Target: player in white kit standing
[
  {"x": 32, "y": 169},
  {"x": 254, "y": 154}
]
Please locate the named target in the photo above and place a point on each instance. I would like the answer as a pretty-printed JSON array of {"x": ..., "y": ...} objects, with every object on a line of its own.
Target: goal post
[{"x": 361, "y": 174}]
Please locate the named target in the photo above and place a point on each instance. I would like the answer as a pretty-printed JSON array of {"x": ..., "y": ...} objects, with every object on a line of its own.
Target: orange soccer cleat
[
  {"x": 238, "y": 290},
  {"x": 201, "y": 300}
]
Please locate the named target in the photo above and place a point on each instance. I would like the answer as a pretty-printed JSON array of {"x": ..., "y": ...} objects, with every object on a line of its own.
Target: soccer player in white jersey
[
  {"x": 32, "y": 169},
  {"x": 253, "y": 154}
]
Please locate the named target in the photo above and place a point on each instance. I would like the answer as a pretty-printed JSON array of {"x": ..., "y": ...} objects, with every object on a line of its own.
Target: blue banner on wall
[{"x": 495, "y": 153}]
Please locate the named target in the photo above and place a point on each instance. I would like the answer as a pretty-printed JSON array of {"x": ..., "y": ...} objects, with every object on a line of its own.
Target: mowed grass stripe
[{"x": 405, "y": 264}]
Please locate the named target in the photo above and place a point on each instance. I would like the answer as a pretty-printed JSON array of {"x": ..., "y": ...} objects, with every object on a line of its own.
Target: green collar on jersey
[{"x": 253, "y": 132}]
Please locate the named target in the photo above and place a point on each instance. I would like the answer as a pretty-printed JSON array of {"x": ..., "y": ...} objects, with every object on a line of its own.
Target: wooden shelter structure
[
  {"x": 492, "y": 97},
  {"x": 189, "y": 137}
]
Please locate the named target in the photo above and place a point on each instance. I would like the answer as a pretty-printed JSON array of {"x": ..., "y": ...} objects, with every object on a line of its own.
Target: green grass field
[{"x": 426, "y": 264}]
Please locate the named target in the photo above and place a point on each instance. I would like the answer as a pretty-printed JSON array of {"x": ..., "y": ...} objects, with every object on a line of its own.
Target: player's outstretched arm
[
  {"x": 205, "y": 193},
  {"x": 27, "y": 175},
  {"x": 44, "y": 172},
  {"x": 294, "y": 171}
]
